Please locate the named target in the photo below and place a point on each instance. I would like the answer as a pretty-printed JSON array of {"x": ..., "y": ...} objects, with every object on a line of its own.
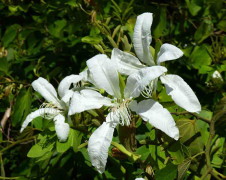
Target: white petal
[
  {"x": 157, "y": 116},
  {"x": 113, "y": 118},
  {"x": 62, "y": 128},
  {"x": 67, "y": 97},
  {"x": 43, "y": 87},
  {"x": 181, "y": 93},
  {"x": 138, "y": 81},
  {"x": 142, "y": 38},
  {"x": 126, "y": 63},
  {"x": 168, "y": 52},
  {"x": 84, "y": 75},
  {"x": 105, "y": 74},
  {"x": 98, "y": 145},
  {"x": 66, "y": 83},
  {"x": 86, "y": 100},
  {"x": 43, "y": 112}
]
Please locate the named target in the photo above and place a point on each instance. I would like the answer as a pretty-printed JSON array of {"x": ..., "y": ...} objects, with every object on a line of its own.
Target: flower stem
[{"x": 127, "y": 136}]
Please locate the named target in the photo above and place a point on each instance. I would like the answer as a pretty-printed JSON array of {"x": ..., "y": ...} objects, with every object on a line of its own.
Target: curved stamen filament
[
  {"x": 49, "y": 114},
  {"x": 150, "y": 88},
  {"x": 122, "y": 113}
]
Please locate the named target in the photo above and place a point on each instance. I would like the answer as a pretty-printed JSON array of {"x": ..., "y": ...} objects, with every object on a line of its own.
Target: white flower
[
  {"x": 55, "y": 109},
  {"x": 105, "y": 76},
  {"x": 128, "y": 64}
]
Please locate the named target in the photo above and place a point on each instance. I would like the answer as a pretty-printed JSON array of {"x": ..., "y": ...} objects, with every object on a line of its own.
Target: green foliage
[{"x": 53, "y": 39}]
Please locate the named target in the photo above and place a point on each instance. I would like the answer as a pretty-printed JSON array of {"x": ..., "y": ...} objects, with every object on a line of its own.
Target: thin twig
[
  {"x": 197, "y": 116},
  {"x": 17, "y": 142}
]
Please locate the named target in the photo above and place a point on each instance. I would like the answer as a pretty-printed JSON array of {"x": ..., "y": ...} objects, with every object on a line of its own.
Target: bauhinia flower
[
  {"x": 56, "y": 109},
  {"x": 105, "y": 75},
  {"x": 128, "y": 64}
]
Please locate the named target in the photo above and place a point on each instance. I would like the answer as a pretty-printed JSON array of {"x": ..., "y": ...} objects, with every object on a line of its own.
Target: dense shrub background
[{"x": 54, "y": 38}]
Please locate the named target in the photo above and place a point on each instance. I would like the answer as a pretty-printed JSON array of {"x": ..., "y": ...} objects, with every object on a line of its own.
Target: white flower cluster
[{"x": 142, "y": 75}]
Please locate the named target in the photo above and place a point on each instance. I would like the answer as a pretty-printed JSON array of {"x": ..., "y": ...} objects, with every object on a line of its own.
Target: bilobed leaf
[
  {"x": 190, "y": 135},
  {"x": 22, "y": 106},
  {"x": 182, "y": 168},
  {"x": 167, "y": 173},
  {"x": 187, "y": 128}
]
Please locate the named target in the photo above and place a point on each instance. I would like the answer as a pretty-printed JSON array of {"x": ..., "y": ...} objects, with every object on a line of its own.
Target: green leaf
[
  {"x": 4, "y": 65},
  {"x": 222, "y": 25},
  {"x": 44, "y": 146},
  {"x": 220, "y": 117},
  {"x": 143, "y": 151},
  {"x": 62, "y": 146},
  {"x": 187, "y": 128},
  {"x": 193, "y": 6},
  {"x": 200, "y": 57},
  {"x": 22, "y": 106},
  {"x": 218, "y": 150},
  {"x": 91, "y": 39},
  {"x": 57, "y": 27},
  {"x": 10, "y": 34},
  {"x": 160, "y": 28},
  {"x": 75, "y": 139},
  {"x": 167, "y": 173},
  {"x": 190, "y": 135},
  {"x": 203, "y": 32},
  {"x": 182, "y": 168}
]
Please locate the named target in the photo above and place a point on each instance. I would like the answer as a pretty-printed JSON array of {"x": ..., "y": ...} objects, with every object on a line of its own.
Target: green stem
[
  {"x": 17, "y": 142},
  {"x": 131, "y": 155},
  {"x": 83, "y": 145},
  {"x": 9, "y": 177},
  {"x": 208, "y": 150},
  {"x": 197, "y": 116},
  {"x": 127, "y": 136}
]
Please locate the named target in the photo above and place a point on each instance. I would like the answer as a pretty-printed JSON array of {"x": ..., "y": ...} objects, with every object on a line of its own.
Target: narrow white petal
[
  {"x": 104, "y": 74},
  {"x": 181, "y": 93},
  {"x": 126, "y": 63},
  {"x": 142, "y": 38},
  {"x": 157, "y": 116},
  {"x": 168, "y": 52},
  {"x": 66, "y": 83},
  {"x": 138, "y": 81},
  {"x": 62, "y": 128},
  {"x": 43, "y": 87},
  {"x": 86, "y": 100},
  {"x": 98, "y": 145},
  {"x": 43, "y": 112}
]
